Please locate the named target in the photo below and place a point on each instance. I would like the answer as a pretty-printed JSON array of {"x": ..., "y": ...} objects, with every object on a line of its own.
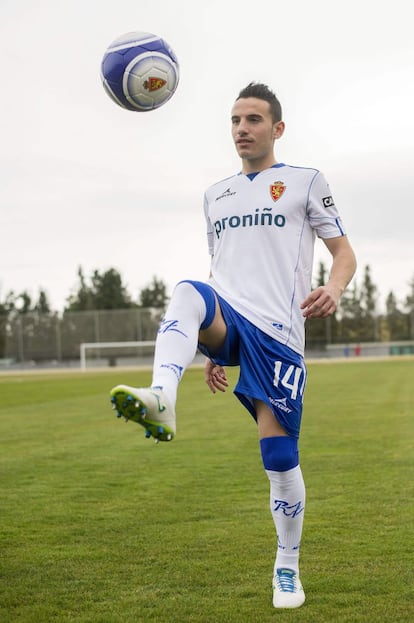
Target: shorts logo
[
  {"x": 276, "y": 190},
  {"x": 280, "y": 403},
  {"x": 328, "y": 202}
]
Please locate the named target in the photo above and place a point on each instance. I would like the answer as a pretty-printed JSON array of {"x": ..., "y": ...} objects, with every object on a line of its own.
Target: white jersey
[{"x": 261, "y": 232}]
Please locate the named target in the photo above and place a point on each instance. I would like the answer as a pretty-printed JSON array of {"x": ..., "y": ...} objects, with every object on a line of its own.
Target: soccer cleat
[
  {"x": 147, "y": 407},
  {"x": 287, "y": 589}
]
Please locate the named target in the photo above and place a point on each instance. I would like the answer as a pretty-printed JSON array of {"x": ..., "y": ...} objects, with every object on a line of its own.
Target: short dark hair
[{"x": 262, "y": 92}]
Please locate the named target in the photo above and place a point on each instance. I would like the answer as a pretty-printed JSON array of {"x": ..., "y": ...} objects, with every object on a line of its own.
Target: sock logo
[
  {"x": 289, "y": 510},
  {"x": 178, "y": 370},
  {"x": 284, "y": 547},
  {"x": 169, "y": 325}
]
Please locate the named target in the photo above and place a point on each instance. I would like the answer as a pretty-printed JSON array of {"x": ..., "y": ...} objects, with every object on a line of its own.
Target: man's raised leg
[{"x": 192, "y": 307}]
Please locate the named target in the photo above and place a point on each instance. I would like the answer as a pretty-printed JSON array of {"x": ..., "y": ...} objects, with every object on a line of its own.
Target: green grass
[{"x": 98, "y": 524}]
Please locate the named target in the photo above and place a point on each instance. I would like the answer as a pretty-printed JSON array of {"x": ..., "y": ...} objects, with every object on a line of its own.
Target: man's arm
[{"x": 323, "y": 301}]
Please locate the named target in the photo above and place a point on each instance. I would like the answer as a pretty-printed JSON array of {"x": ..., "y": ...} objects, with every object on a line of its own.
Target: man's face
[{"x": 253, "y": 129}]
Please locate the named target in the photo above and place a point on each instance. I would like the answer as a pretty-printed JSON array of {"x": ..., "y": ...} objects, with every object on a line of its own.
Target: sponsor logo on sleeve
[{"x": 328, "y": 202}]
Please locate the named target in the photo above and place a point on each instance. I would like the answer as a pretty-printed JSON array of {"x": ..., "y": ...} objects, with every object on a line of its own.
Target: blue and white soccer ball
[{"x": 139, "y": 71}]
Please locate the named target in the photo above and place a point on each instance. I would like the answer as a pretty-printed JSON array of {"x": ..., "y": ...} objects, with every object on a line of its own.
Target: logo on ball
[{"x": 153, "y": 84}]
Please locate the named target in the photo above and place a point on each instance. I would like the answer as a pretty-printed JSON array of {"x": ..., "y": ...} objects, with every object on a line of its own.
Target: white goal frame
[{"x": 97, "y": 345}]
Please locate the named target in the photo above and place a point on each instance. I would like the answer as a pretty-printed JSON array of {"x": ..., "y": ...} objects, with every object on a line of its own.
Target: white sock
[
  {"x": 287, "y": 505},
  {"x": 177, "y": 338}
]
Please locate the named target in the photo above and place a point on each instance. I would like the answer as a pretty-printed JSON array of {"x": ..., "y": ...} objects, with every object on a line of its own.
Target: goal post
[{"x": 107, "y": 351}]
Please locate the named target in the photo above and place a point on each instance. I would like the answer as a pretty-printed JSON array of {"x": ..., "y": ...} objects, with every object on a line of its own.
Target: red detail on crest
[
  {"x": 153, "y": 84},
  {"x": 276, "y": 190}
]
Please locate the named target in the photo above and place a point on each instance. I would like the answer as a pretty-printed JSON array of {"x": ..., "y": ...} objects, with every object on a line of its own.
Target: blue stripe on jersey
[
  {"x": 338, "y": 223},
  {"x": 251, "y": 176},
  {"x": 310, "y": 186}
]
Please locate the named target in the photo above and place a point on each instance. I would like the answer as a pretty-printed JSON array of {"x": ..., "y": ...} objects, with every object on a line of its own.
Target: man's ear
[{"x": 278, "y": 129}]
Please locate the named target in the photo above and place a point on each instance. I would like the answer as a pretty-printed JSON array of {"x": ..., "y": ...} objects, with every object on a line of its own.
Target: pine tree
[
  {"x": 409, "y": 305},
  {"x": 106, "y": 291},
  {"x": 396, "y": 321},
  {"x": 154, "y": 295},
  {"x": 369, "y": 299}
]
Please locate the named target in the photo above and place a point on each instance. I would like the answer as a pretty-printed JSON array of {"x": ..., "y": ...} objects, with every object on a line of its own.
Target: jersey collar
[{"x": 251, "y": 176}]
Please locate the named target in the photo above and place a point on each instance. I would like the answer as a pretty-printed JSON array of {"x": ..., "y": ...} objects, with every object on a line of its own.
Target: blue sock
[{"x": 279, "y": 454}]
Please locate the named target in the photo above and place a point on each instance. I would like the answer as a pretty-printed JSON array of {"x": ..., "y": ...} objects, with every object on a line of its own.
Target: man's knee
[
  {"x": 206, "y": 293},
  {"x": 213, "y": 328},
  {"x": 279, "y": 454}
]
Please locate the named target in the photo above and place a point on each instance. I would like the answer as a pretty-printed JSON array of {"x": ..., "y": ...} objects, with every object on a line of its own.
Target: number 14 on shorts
[{"x": 291, "y": 377}]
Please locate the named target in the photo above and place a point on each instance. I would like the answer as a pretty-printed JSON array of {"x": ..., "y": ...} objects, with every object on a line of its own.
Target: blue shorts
[{"x": 269, "y": 371}]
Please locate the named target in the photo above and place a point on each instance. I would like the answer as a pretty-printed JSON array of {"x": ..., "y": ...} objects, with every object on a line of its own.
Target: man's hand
[
  {"x": 320, "y": 303},
  {"x": 323, "y": 301},
  {"x": 215, "y": 377}
]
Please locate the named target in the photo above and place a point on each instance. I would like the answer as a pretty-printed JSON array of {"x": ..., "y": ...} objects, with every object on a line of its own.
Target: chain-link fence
[{"x": 36, "y": 339}]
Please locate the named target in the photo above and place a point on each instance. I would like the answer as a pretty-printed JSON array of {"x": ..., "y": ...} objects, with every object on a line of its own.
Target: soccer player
[{"x": 261, "y": 227}]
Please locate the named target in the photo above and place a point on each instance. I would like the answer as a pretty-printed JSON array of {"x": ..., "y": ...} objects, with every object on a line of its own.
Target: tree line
[
  {"x": 356, "y": 320},
  {"x": 103, "y": 290}
]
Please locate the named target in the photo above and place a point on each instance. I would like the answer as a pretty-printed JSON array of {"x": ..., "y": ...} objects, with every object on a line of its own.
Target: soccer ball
[{"x": 139, "y": 71}]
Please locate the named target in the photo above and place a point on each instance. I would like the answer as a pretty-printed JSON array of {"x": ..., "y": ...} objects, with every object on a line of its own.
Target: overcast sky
[{"x": 85, "y": 183}]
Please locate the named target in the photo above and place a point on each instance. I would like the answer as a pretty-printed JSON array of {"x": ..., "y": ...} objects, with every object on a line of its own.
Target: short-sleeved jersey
[{"x": 261, "y": 232}]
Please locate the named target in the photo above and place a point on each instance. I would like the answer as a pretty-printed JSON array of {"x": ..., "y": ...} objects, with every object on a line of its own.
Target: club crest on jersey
[
  {"x": 276, "y": 190},
  {"x": 153, "y": 84}
]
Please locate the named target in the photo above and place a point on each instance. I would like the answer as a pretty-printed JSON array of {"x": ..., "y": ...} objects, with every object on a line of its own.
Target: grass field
[{"x": 98, "y": 524}]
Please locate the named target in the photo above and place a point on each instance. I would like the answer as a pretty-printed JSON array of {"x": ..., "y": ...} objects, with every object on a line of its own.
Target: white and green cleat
[
  {"x": 287, "y": 589},
  {"x": 146, "y": 406}
]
